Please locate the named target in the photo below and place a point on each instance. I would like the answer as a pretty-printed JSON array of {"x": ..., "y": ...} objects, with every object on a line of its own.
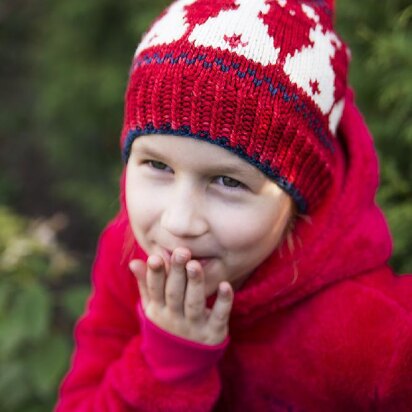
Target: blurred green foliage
[
  {"x": 35, "y": 343},
  {"x": 89, "y": 50},
  {"x": 380, "y": 37},
  {"x": 62, "y": 79}
]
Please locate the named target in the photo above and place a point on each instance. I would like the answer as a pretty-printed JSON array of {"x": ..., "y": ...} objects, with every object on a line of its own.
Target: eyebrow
[{"x": 246, "y": 170}]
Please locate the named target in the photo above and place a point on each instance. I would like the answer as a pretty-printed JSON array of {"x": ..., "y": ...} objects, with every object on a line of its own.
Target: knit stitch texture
[{"x": 263, "y": 79}]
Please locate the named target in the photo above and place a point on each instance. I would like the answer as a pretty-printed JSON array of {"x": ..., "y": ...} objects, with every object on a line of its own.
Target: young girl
[{"x": 247, "y": 267}]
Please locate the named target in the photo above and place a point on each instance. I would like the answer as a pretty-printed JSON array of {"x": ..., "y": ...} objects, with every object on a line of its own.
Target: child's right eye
[{"x": 155, "y": 164}]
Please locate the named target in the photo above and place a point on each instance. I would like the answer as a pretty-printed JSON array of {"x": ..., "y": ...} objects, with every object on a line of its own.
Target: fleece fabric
[
  {"x": 172, "y": 358},
  {"x": 325, "y": 327}
]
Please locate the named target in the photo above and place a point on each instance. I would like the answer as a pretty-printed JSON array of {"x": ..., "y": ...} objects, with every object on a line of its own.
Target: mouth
[{"x": 203, "y": 260}]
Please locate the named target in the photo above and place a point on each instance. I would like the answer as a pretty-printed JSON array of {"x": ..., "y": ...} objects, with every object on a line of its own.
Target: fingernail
[
  {"x": 180, "y": 258},
  {"x": 191, "y": 272},
  {"x": 224, "y": 289},
  {"x": 153, "y": 262}
]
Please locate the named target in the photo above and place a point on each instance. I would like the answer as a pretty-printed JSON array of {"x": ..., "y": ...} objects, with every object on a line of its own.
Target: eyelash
[
  {"x": 154, "y": 164},
  {"x": 239, "y": 185}
]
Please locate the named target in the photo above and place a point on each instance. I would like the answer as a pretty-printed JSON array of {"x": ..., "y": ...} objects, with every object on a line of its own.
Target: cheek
[
  {"x": 140, "y": 207},
  {"x": 250, "y": 230}
]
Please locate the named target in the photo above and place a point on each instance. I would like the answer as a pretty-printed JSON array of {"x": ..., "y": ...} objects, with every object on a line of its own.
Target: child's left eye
[{"x": 230, "y": 182}]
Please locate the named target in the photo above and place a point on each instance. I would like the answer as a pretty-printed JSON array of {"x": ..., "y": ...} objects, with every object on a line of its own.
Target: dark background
[{"x": 63, "y": 73}]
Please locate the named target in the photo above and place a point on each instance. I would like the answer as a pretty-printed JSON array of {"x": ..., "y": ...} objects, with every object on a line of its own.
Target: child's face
[{"x": 185, "y": 193}]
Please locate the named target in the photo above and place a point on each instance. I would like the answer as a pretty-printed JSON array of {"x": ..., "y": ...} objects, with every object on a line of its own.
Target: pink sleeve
[
  {"x": 174, "y": 359},
  {"x": 108, "y": 370}
]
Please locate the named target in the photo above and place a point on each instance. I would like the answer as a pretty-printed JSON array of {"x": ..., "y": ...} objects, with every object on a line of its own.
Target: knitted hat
[{"x": 264, "y": 79}]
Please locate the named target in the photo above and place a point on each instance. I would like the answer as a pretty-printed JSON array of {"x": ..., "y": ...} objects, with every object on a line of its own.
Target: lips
[{"x": 203, "y": 260}]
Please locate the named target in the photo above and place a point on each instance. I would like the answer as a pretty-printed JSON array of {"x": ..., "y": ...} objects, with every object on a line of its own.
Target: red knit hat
[{"x": 264, "y": 79}]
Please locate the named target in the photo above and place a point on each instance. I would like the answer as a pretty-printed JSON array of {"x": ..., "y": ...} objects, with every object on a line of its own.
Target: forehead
[{"x": 192, "y": 153}]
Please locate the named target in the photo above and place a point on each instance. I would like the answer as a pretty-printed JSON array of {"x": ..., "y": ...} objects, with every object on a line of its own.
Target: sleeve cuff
[{"x": 172, "y": 358}]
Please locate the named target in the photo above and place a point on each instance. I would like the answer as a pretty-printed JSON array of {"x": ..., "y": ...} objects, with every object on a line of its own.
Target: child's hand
[{"x": 176, "y": 301}]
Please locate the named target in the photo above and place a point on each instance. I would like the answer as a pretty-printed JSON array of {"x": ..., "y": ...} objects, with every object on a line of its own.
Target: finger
[
  {"x": 176, "y": 280},
  {"x": 138, "y": 268},
  {"x": 195, "y": 298},
  {"x": 155, "y": 279},
  {"x": 219, "y": 316}
]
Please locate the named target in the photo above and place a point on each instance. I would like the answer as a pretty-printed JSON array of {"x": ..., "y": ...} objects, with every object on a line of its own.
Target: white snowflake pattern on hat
[
  {"x": 242, "y": 31},
  {"x": 311, "y": 67},
  {"x": 169, "y": 28},
  {"x": 239, "y": 31}
]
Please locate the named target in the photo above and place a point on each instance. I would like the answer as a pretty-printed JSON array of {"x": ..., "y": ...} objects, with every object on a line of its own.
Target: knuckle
[
  {"x": 194, "y": 312},
  {"x": 222, "y": 318},
  {"x": 193, "y": 306},
  {"x": 219, "y": 332},
  {"x": 152, "y": 289},
  {"x": 223, "y": 330},
  {"x": 172, "y": 296}
]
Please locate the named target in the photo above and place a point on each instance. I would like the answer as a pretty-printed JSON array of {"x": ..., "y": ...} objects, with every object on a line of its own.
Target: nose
[{"x": 183, "y": 214}]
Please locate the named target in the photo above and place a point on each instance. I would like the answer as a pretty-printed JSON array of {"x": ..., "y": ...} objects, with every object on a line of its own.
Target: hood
[{"x": 346, "y": 237}]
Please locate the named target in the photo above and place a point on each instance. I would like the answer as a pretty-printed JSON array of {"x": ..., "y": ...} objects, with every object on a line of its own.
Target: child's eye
[
  {"x": 230, "y": 182},
  {"x": 155, "y": 164}
]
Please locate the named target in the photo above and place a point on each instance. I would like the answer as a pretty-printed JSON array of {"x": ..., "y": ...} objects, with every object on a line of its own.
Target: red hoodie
[{"x": 327, "y": 327}]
